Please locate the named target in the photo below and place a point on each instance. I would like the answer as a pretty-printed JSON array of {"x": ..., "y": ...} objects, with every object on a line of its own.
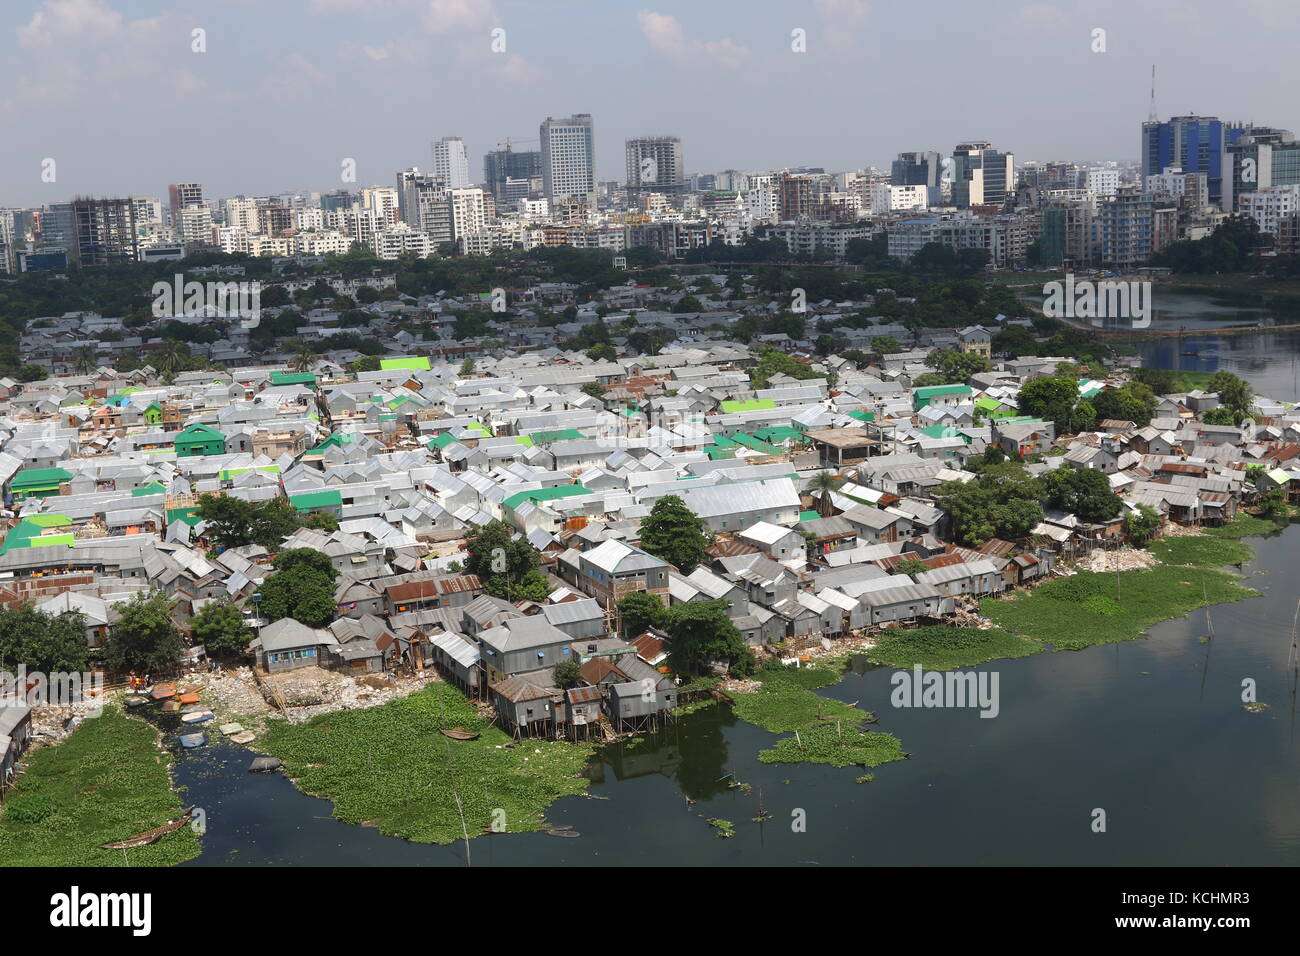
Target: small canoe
[
  {"x": 162, "y": 692},
  {"x": 264, "y": 765},
  {"x": 190, "y": 741},
  {"x": 151, "y": 836},
  {"x": 243, "y": 737},
  {"x": 190, "y": 708},
  {"x": 231, "y": 729},
  {"x": 134, "y": 702},
  {"x": 460, "y": 733},
  {"x": 170, "y": 707},
  {"x": 198, "y": 717},
  {"x": 189, "y": 697}
]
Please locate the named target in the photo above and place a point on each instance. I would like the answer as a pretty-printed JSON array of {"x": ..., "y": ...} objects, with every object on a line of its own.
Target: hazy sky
[{"x": 114, "y": 93}]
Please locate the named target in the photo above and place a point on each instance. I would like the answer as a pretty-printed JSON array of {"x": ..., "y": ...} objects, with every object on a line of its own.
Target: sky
[{"x": 274, "y": 95}]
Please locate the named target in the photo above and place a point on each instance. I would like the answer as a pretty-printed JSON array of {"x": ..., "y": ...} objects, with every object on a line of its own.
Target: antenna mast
[{"x": 1152, "y": 115}]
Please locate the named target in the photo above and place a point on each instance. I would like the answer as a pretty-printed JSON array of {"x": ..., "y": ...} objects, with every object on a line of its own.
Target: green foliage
[
  {"x": 365, "y": 761},
  {"x": 955, "y": 367},
  {"x": 701, "y": 633},
  {"x": 1235, "y": 394},
  {"x": 1220, "y": 416},
  {"x": 602, "y": 352},
  {"x": 568, "y": 673},
  {"x": 108, "y": 781},
  {"x": 505, "y": 563},
  {"x": 1003, "y": 502},
  {"x": 1142, "y": 525},
  {"x": 674, "y": 533},
  {"x": 145, "y": 637},
  {"x": 1084, "y": 492},
  {"x": 1243, "y": 525},
  {"x": 302, "y": 587},
  {"x": 942, "y": 648},
  {"x": 773, "y": 362},
  {"x": 785, "y": 702},
  {"x": 1053, "y": 399},
  {"x": 640, "y": 611},
  {"x": 1201, "y": 551},
  {"x": 1082, "y": 610},
  {"x": 910, "y": 566},
  {"x": 838, "y": 746},
  {"x": 219, "y": 627},
  {"x": 234, "y": 522},
  {"x": 43, "y": 642},
  {"x": 1230, "y": 248},
  {"x": 594, "y": 389}
]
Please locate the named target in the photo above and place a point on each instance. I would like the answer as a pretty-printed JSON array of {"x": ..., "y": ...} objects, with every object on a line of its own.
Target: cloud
[
  {"x": 845, "y": 14},
  {"x": 453, "y": 16},
  {"x": 665, "y": 35},
  {"x": 62, "y": 21},
  {"x": 296, "y": 79}
]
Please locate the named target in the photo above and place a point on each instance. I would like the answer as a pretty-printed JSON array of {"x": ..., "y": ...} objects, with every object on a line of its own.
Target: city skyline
[{"x": 354, "y": 72}]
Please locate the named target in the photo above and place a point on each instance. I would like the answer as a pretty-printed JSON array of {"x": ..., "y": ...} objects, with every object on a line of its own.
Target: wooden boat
[
  {"x": 151, "y": 836},
  {"x": 163, "y": 692},
  {"x": 243, "y": 737},
  {"x": 189, "y": 697},
  {"x": 231, "y": 729},
  {"x": 170, "y": 707},
  {"x": 191, "y": 708},
  {"x": 190, "y": 741},
  {"x": 265, "y": 765},
  {"x": 460, "y": 733},
  {"x": 135, "y": 702},
  {"x": 198, "y": 717},
  {"x": 563, "y": 831}
]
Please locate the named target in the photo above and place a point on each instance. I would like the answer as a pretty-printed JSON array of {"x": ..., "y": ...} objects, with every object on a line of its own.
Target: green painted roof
[
  {"x": 443, "y": 440},
  {"x": 753, "y": 405},
  {"x": 27, "y": 533},
  {"x": 809, "y": 515},
  {"x": 199, "y": 431},
  {"x": 188, "y": 515},
  {"x": 415, "y": 363},
  {"x": 316, "y": 499},
  {"x": 930, "y": 391},
  {"x": 293, "y": 378},
  {"x": 557, "y": 434},
  {"x": 49, "y": 521},
  {"x": 717, "y": 452},
  {"x": 336, "y": 440},
  {"x": 229, "y": 473},
  {"x": 778, "y": 433},
  {"x": 39, "y": 478},
  {"x": 546, "y": 494},
  {"x": 153, "y": 488},
  {"x": 749, "y": 441},
  {"x": 862, "y": 415}
]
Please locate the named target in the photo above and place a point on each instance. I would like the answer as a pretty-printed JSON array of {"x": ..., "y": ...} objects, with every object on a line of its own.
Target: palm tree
[
  {"x": 83, "y": 359},
  {"x": 304, "y": 359},
  {"x": 171, "y": 358},
  {"x": 822, "y": 484}
]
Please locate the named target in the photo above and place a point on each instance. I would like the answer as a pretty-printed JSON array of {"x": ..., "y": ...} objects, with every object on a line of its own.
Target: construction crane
[{"x": 510, "y": 140}]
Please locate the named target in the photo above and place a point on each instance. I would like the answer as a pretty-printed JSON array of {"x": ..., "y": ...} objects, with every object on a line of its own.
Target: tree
[
  {"x": 507, "y": 565},
  {"x": 1234, "y": 393},
  {"x": 1053, "y": 399},
  {"x": 1003, "y": 502},
  {"x": 1134, "y": 402},
  {"x": 42, "y": 642},
  {"x": 467, "y": 367},
  {"x": 302, "y": 587},
  {"x": 910, "y": 566},
  {"x": 145, "y": 637},
  {"x": 1083, "y": 492},
  {"x": 1142, "y": 525},
  {"x": 674, "y": 533},
  {"x": 568, "y": 673},
  {"x": 886, "y": 345},
  {"x": 640, "y": 612},
  {"x": 687, "y": 303},
  {"x": 594, "y": 389},
  {"x": 233, "y": 522},
  {"x": 602, "y": 352},
  {"x": 956, "y": 367},
  {"x": 821, "y": 485},
  {"x": 701, "y": 633},
  {"x": 220, "y": 628},
  {"x": 1220, "y": 416}
]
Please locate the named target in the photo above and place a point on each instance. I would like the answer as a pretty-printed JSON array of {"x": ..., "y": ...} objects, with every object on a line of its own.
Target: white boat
[{"x": 198, "y": 717}]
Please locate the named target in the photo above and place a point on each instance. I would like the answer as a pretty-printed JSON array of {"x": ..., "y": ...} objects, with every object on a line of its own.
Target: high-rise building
[
  {"x": 468, "y": 212},
  {"x": 794, "y": 197},
  {"x": 1255, "y": 158},
  {"x": 569, "y": 158},
  {"x": 654, "y": 165},
  {"x": 503, "y": 165},
  {"x": 194, "y": 227},
  {"x": 181, "y": 195},
  {"x": 451, "y": 162},
  {"x": 1195, "y": 144},
  {"x": 982, "y": 175},
  {"x": 424, "y": 203},
  {"x": 8, "y": 257},
  {"x": 104, "y": 231},
  {"x": 1134, "y": 226},
  {"x": 919, "y": 169}
]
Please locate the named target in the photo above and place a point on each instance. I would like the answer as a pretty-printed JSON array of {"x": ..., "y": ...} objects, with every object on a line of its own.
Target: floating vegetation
[
  {"x": 390, "y": 764},
  {"x": 106, "y": 782},
  {"x": 865, "y": 778},
  {"x": 1201, "y": 551},
  {"x": 1067, "y": 614},
  {"x": 1243, "y": 525},
  {"x": 1255, "y": 707},
  {"x": 943, "y": 648},
  {"x": 839, "y": 747},
  {"x": 725, "y": 828}
]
